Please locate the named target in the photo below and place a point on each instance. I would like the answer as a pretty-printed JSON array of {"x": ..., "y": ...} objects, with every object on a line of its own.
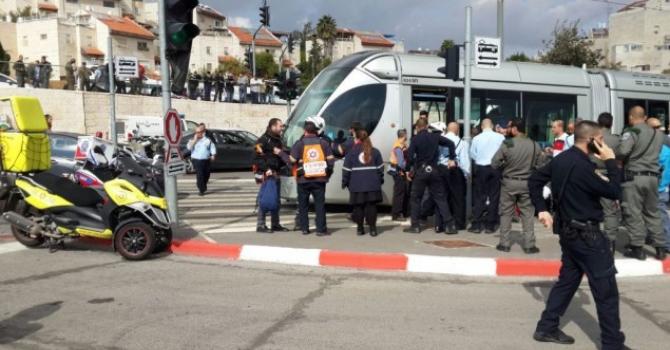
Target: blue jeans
[{"x": 663, "y": 198}]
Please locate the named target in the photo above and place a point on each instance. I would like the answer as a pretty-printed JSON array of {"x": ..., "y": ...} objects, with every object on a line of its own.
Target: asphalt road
[{"x": 92, "y": 299}]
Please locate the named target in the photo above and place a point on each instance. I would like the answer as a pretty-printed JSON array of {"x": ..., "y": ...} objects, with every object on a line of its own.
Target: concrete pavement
[{"x": 94, "y": 300}]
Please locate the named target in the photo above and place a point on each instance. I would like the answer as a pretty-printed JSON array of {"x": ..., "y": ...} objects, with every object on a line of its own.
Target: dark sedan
[{"x": 234, "y": 149}]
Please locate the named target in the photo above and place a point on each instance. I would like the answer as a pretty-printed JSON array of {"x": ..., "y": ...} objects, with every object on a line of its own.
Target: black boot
[
  {"x": 636, "y": 253},
  {"x": 361, "y": 230},
  {"x": 373, "y": 230},
  {"x": 661, "y": 253}
]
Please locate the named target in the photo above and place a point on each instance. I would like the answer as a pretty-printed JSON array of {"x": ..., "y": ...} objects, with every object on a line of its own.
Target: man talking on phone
[
  {"x": 203, "y": 152},
  {"x": 586, "y": 249}
]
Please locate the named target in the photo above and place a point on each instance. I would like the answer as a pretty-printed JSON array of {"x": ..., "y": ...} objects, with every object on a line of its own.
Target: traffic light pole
[
  {"x": 253, "y": 52},
  {"x": 467, "y": 96},
  {"x": 288, "y": 100},
  {"x": 170, "y": 181}
]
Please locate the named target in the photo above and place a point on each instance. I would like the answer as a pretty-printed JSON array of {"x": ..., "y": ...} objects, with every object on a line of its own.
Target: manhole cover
[{"x": 456, "y": 243}]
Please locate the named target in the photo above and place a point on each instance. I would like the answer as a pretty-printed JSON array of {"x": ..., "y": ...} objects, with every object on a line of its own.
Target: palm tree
[{"x": 326, "y": 30}]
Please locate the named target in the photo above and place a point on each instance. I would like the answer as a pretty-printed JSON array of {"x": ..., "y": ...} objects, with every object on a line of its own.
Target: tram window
[
  {"x": 500, "y": 106},
  {"x": 364, "y": 104},
  {"x": 659, "y": 109},
  {"x": 541, "y": 109}
]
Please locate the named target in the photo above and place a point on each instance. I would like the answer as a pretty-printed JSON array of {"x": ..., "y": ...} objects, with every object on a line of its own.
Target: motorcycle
[{"x": 129, "y": 209}]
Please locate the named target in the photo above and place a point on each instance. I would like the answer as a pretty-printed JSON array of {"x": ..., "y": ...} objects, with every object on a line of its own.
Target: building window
[
  {"x": 68, "y": 39},
  {"x": 43, "y": 36},
  {"x": 225, "y": 51},
  {"x": 25, "y": 40},
  {"x": 108, "y": 3},
  {"x": 72, "y": 1},
  {"x": 209, "y": 67},
  {"x": 636, "y": 47},
  {"x": 142, "y": 46},
  {"x": 208, "y": 50},
  {"x": 217, "y": 23}
]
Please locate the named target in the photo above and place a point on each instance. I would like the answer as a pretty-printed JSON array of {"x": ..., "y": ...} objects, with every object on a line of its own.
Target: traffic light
[
  {"x": 248, "y": 59},
  {"x": 451, "y": 57},
  {"x": 265, "y": 15},
  {"x": 180, "y": 32},
  {"x": 291, "y": 86},
  {"x": 281, "y": 85}
]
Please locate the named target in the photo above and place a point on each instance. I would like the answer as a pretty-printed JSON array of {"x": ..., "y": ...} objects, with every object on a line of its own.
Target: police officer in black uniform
[
  {"x": 586, "y": 249},
  {"x": 422, "y": 164}
]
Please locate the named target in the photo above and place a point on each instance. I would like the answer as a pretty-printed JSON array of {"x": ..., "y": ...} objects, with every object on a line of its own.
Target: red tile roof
[
  {"x": 126, "y": 27},
  {"x": 92, "y": 51},
  {"x": 47, "y": 7},
  {"x": 374, "y": 39},
  {"x": 264, "y": 37},
  {"x": 208, "y": 11}
]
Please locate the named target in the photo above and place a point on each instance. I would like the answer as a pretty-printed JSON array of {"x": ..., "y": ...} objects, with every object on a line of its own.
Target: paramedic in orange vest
[{"x": 314, "y": 158}]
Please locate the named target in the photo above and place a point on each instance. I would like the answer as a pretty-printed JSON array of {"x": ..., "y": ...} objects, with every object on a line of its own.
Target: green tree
[
  {"x": 326, "y": 30},
  {"x": 233, "y": 66},
  {"x": 569, "y": 46},
  {"x": 20, "y": 13},
  {"x": 307, "y": 32},
  {"x": 519, "y": 57},
  {"x": 266, "y": 67},
  {"x": 4, "y": 60},
  {"x": 446, "y": 44}
]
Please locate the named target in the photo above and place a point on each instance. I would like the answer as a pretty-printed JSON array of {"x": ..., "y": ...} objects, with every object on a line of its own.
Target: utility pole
[
  {"x": 288, "y": 100},
  {"x": 467, "y": 96},
  {"x": 112, "y": 92},
  {"x": 170, "y": 181},
  {"x": 501, "y": 25}
]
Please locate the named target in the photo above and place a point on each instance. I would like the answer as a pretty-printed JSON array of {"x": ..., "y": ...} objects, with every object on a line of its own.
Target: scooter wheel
[
  {"x": 22, "y": 236},
  {"x": 163, "y": 242},
  {"x": 134, "y": 239}
]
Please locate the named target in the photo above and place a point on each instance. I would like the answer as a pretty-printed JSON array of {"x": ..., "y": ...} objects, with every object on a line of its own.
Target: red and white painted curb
[{"x": 461, "y": 266}]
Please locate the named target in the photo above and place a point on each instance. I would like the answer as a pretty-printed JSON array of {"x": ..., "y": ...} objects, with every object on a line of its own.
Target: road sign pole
[
  {"x": 467, "y": 96},
  {"x": 170, "y": 181},
  {"x": 112, "y": 95},
  {"x": 501, "y": 24},
  {"x": 288, "y": 100}
]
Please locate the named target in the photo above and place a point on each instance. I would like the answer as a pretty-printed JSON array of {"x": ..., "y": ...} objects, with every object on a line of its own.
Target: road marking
[
  {"x": 291, "y": 256},
  {"x": 11, "y": 247},
  {"x": 206, "y": 237}
]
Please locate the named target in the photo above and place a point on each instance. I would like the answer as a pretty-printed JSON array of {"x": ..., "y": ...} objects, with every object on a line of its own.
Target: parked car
[
  {"x": 63, "y": 149},
  {"x": 234, "y": 149}
]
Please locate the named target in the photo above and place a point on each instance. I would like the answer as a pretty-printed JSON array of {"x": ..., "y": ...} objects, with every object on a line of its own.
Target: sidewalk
[{"x": 464, "y": 254}]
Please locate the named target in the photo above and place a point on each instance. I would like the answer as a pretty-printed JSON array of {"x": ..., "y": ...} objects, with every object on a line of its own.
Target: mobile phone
[{"x": 592, "y": 146}]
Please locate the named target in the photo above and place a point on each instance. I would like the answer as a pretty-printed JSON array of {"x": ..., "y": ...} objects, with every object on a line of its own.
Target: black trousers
[
  {"x": 202, "y": 172},
  {"x": 207, "y": 93},
  {"x": 435, "y": 184},
  {"x": 318, "y": 191},
  {"x": 365, "y": 212},
  {"x": 218, "y": 94},
  {"x": 594, "y": 259},
  {"x": 457, "y": 187},
  {"x": 400, "y": 196},
  {"x": 486, "y": 187}
]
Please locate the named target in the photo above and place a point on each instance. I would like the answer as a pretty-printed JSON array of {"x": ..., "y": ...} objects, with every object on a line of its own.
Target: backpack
[
  {"x": 314, "y": 159},
  {"x": 267, "y": 197}
]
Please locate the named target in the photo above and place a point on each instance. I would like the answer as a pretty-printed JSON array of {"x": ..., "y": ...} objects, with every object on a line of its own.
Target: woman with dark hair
[{"x": 363, "y": 174}]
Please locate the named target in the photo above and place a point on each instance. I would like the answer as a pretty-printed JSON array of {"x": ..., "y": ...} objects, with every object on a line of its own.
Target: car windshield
[{"x": 63, "y": 146}]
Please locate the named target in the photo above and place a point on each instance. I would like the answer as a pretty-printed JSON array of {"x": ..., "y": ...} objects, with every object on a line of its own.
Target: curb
[{"x": 459, "y": 266}]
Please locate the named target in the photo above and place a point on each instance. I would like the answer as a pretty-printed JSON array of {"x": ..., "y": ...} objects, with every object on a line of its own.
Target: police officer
[
  {"x": 517, "y": 158},
  {"x": 422, "y": 159},
  {"x": 578, "y": 188},
  {"x": 639, "y": 150},
  {"x": 611, "y": 208},
  {"x": 486, "y": 180},
  {"x": 20, "y": 71}
]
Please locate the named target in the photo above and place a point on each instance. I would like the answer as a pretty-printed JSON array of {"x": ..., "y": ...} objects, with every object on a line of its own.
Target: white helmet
[
  {"x": 319, "y": 122},
  {"x": 438, "y": 126}
]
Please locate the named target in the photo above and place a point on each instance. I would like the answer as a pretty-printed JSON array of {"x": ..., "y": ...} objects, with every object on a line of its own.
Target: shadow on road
[{"x": 24, "y": 323}]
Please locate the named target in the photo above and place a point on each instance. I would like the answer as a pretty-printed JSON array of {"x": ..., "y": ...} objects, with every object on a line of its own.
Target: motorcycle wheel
[
  {"x": 163, "y": 242},
  {"x": 23, "y": 237},
  {"x": 134, "y": 239}
]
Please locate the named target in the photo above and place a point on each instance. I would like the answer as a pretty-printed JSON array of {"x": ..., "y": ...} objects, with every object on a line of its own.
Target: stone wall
[{"x": 88, "y": 112}]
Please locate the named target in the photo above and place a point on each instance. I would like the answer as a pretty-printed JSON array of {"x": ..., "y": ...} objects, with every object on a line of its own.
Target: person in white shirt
[
  {"x": 486, "y": 180},
  {"x": 458, "y": 176},
  {"x": 561, "y": 141}
]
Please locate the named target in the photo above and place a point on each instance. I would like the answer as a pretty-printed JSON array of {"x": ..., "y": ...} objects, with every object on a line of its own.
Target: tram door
[{"x": 431, "y": 100}]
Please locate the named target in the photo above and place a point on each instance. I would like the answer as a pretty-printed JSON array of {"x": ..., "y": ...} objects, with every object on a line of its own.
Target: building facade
[{"x": 637, "y": 37}]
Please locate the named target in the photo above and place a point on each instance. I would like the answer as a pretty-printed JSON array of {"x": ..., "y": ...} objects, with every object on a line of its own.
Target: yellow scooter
[{"x": 130, "y": 210}]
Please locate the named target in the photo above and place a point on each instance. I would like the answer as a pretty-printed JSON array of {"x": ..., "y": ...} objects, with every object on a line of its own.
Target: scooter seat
[{"x": 73, "y": 193}]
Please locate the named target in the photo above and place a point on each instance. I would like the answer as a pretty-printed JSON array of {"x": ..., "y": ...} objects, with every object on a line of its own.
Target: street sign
[
  {"x": 127, "y": 67},
  {"x": 174, "y": 162},
  {"x": 487, "y": 52},
  {"x": 172, "y": 127}
]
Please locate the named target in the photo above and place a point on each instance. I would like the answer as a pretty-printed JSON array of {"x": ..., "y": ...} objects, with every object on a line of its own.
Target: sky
[{"x": 425, "y": 23}]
